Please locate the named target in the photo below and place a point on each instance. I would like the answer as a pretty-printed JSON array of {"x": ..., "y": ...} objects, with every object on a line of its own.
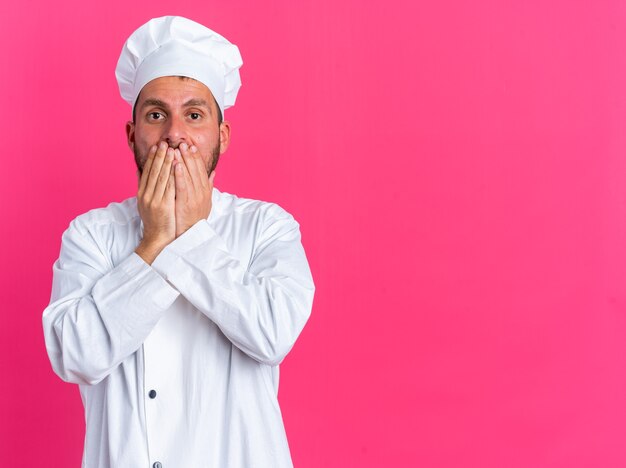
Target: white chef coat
[{"x": 177, "y": 362}]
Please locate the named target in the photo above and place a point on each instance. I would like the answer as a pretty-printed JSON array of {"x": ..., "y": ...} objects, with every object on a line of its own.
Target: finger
[
  {"x": 201, "y": 167},
  {"x": 190, "y": 165},
  {"x": 155, "y": 169},
  {"x": 170, "y": 189},
  {"x": 177, "y": 156},
  {"x": 185, "y": 172},
  {"x": 189, "y": 172},
  {"x": 211, "y": 179},
  {"x": 164, "y": 175},
  {"x": 146, "y": 169},
  {"x": 182, "y": 189}
]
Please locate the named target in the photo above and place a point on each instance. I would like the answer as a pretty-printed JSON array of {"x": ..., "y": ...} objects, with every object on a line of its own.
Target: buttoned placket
[
  {"x": 152, "y": 399},
  {"x": 150, "y": 381}
]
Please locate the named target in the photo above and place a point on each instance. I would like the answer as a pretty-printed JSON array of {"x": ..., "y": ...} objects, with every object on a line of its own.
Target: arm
[
  {"x": 261, "y": 307},
  {"x": 99, "y": 315}
]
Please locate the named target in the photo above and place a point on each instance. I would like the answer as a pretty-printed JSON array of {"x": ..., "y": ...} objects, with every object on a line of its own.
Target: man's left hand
[{"x": 194, "y": 188}]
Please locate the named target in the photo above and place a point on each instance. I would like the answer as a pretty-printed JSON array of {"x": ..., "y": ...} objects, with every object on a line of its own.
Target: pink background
[{"x": 458, "y": 169}]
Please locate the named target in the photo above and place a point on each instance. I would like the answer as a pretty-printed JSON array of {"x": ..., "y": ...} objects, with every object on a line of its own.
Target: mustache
[{"x": 141, "y": 158}]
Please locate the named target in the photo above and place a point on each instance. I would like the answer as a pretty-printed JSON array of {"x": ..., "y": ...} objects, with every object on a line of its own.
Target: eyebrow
[
  {"x": 194, "y": 102},
  {"x": 197, "y": 103},
  {"x": 153, "y": 102}
]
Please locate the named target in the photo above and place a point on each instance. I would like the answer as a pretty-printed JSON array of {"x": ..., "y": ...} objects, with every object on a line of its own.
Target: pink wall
[{"x": 459, "y": 172}]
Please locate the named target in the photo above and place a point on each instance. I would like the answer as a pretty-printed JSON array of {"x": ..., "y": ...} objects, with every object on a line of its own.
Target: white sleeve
[
  {"x": 261, "y": 307},
  {"x": 99, "y": 314}
]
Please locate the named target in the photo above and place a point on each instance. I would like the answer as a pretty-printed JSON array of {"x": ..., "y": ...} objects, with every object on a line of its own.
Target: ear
[
  {"x": 224, "y": 136},
  {"x": 130, "y": 134}
]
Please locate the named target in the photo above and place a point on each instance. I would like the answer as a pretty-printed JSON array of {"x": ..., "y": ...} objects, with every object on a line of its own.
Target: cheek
[
  {"x": 203, "y": 145},
  {"x": 198, "y": 140},
  {"x": 145, "y": 137}
]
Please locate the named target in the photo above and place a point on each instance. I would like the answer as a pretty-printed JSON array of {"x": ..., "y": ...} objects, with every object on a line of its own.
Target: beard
[{"x": 214, "y": 156}]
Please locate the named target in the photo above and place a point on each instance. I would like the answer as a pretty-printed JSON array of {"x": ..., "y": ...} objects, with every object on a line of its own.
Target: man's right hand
[{"x": 156, "y": 203}]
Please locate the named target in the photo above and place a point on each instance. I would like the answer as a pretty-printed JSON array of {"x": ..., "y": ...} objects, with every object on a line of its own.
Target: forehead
[{"x": 175, "y": 90}]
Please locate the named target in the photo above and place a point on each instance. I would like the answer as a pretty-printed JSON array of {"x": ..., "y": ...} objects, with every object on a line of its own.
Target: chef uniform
[{"x": 178, "y": 362}]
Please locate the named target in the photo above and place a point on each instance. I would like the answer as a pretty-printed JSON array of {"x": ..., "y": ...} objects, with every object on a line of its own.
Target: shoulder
[
  {"x": 268, "y": 212},
  {"x": 114, "y": 214},
  {"x": 101, "y": 234},
  {"x": 267, "y": 220}
]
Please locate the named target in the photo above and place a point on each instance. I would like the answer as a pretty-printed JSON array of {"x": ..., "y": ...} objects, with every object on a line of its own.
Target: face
[{"x": 177, "y": 110}]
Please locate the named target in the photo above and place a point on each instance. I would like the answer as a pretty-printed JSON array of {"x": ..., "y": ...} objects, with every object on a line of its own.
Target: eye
[
  {"x": 154, "y": 115},
  {"x": 195, "y": 116}
]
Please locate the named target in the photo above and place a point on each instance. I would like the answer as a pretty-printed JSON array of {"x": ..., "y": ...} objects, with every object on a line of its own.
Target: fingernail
[
  {"x": 162, "y": 144},
  {"x": 194, "y": 149},
  {"x": 183, "y": 146}
]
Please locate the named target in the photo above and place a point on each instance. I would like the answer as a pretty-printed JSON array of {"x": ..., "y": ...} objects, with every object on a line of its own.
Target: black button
[
  {"x": 152, "y": 394},
  {"x": 157, "y": 464}
]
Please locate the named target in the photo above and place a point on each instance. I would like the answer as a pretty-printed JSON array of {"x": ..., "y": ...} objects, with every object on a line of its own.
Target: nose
[{"x": 175, "y": 131}]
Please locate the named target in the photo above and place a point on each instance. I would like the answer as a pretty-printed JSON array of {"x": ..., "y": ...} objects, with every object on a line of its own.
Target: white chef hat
[{"x": 173, "y": 45}]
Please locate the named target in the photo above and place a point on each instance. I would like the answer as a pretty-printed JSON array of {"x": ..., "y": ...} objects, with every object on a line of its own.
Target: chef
[{"x": 172, "y": 310}]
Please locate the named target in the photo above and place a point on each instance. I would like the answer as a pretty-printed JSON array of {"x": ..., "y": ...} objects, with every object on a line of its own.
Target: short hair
[{"x": 219, "y": 111}]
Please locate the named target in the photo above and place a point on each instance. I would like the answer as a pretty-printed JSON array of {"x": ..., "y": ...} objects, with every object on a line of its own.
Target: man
[{"x": 173, "y": 309}]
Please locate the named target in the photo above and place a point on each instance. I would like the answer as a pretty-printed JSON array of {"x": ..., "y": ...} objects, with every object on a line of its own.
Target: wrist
[{"x": 149, "y": 251}]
